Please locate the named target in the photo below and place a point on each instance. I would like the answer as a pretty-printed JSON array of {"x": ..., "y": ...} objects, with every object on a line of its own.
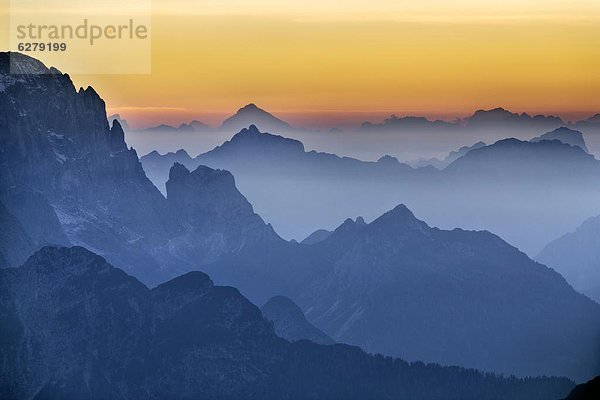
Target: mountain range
[
  {"x": 407, "y": 138},
  {"x": 509, "y": 187},
  {"x": 395, "y": 285},
  {"x": 75, "y": 327}
]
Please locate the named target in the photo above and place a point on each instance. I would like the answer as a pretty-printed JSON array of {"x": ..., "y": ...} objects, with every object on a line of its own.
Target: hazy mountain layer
[
  {"x": 399, "y": 287},
  {"x": 510, "y": 187},
  {"x": 576, "y": 256},
  {"x": 407, "y": 138}
]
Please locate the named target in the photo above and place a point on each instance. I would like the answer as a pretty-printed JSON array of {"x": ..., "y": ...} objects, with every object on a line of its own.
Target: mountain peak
[
  {"x": 564, "y": 135},
  {"x": 251, "y": 138},
  {"x": 388, "y": 160},
  {"x": 350, "y": 225},
  {"x": 251, "y": 114},
  {"x": 249, "y": 107},
  {"x": 252, "y": 129},
  {"x": 194, "y": 281},
  {"x": 399, "y": 215},
  {"x": 178, "y": 171}
]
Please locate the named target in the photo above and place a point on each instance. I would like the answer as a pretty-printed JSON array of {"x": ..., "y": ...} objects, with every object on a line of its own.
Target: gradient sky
[{"x": 330, "y": 61}]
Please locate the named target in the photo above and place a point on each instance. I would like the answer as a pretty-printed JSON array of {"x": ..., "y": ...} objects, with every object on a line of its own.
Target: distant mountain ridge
[
  {"x": 324, "y": 189},
  {"x": 564, "y": 135},
  {"x": 576, "y": 256}
]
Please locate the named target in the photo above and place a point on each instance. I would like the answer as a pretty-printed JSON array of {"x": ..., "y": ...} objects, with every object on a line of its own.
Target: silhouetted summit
[
  {"x": 251, "y": 114},
  {"x": 398, "y": 286},
  {"x": 564, "y": 135}
]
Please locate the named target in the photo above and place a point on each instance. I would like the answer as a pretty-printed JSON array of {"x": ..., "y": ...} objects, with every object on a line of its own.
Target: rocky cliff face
[
  {"x": 68, "y": 178},
  {"x": 59, "y": 146},
  {"x": 217, "y": 218},
  {"x": 290, "y": 323},
  {"x": 74, "y": 327}
]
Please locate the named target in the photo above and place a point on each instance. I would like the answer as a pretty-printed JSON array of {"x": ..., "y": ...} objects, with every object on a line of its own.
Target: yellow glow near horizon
[{"x": 431, "y": 57}]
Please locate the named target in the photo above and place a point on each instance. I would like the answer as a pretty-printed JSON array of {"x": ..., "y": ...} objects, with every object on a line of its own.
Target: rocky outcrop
[
  {"x": 290, "y": 323},
  {"x": 217, "y": 217}
]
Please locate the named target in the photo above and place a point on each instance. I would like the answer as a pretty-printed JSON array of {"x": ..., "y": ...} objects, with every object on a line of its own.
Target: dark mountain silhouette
[
  {"x": 586, "y": 391},
  {"x": 564, "y": 135},
  {"x": 408, "y": 123},
  {"x": 120, "y": 120},
  {"x": 508, "y": 158},
  {"x": 576, "y": 256},
  {"x": 513, "y": 186},
  {"x": 290, "y": 323},
  {"x": 74, "y": 327},
  {"x": 399, "y": 287},
  {"x": 250, "y": 114},
  {"x": 502, "y": 118},
  {"x": 497, "y": 118},
  {"x": 317, "y": 236}
]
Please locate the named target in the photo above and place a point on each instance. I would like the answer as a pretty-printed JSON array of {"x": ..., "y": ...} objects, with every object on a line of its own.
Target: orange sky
[{"x": 360, "y": 59}]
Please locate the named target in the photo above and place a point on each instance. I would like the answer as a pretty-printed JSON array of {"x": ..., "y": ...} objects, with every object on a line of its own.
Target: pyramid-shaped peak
[
  {"x": 249, "y": 107},
  {"x": 398, "y": 215}
]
